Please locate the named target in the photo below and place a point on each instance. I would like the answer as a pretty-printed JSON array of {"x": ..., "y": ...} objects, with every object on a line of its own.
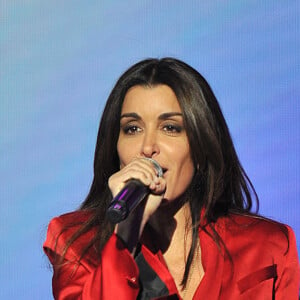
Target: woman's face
[{"x": 152, "y": 126}]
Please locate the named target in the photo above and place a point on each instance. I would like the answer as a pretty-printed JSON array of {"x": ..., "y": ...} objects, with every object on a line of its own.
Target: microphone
[{"x": 129, "y": 197}]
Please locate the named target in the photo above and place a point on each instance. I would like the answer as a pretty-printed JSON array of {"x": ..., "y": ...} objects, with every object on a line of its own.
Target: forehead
[{"x": 155, "y": 98}]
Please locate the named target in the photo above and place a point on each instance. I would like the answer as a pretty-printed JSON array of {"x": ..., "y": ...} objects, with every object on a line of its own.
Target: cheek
[
  {"x": 186, "y": 169},
  {"x": 120, "y": 153},
  {"x": 182, "y": 176},
  {"x": 125, "y": 152},
  {"x": 187, "y": 173}
]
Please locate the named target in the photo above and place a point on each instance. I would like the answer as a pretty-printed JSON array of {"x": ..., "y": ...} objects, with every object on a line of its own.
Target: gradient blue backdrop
[{"x": 60, "y": 59}]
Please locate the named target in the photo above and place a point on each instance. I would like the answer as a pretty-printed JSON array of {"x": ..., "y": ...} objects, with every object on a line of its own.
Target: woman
[{"x": 193, "y": 236}]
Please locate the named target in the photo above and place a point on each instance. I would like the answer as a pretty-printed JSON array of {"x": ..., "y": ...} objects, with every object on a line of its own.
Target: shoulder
[
  {"x": 259, "y": 231},
  {"x": 71, "y": 219},
  {"x": 255, "y": 222},
  {"x": 68, "y": 223},
  {"x": 62, "y": 228}
]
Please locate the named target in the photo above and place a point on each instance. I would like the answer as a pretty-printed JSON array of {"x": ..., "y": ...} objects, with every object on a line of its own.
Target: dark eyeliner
[{"x": 173, "y": 128}]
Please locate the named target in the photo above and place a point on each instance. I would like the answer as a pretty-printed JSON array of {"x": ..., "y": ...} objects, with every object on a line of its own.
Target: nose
[{"x": 150, "y": 147}]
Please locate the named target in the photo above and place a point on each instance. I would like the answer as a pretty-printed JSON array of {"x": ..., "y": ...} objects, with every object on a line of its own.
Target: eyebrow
[
  {"x": 163, "y": 116},
  {"x": 130, "y": 115},
  {"x": 168, "y": 115}
]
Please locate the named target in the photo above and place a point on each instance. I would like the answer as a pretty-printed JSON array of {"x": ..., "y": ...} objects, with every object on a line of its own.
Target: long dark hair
[{"x": 220, "y": 185}]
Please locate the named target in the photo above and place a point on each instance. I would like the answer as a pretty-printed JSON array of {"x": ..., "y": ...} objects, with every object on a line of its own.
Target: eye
[
  {"x": 131, "y": 129},
  {"x": 172, "y": 128}
]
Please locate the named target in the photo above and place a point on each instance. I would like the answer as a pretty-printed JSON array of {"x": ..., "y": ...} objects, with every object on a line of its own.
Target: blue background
[{"x": 58, "y": 63}]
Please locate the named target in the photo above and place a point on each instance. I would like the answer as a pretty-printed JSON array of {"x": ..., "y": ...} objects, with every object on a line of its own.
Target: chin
[{"x": 170, "y": 199}]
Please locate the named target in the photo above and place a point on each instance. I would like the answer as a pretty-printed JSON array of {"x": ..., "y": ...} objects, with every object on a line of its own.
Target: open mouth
[
  {"x": 164, "y": 171},
  {"x": 161, "y": 174}
]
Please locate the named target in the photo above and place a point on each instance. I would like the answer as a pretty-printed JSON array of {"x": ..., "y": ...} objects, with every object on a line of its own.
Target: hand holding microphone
[{"x": 139, "y": 185}]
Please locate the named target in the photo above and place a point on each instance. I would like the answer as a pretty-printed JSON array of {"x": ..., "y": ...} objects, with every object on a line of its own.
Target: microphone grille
[{"x": 156, "y": 166}]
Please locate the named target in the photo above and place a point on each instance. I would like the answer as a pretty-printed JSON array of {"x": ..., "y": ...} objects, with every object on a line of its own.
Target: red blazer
[{"x": 264, "y": 264}]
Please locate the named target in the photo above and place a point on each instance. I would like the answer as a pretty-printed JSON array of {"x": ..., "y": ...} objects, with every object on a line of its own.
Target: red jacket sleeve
[
  {"x": 287, "y": 283},
  {"x": 115, "y": 276}
]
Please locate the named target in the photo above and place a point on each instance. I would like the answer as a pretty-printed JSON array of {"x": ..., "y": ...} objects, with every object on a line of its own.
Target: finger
[
  {"x": 159, "y": 186},
  {"x": 146, "y": 165},
  {"x": 138, "y": 171}
]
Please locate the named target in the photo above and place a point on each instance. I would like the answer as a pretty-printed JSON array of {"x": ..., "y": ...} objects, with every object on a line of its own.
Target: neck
[
  {"x": 172, "y": 235},
  {"x": 170, "y": 227}
]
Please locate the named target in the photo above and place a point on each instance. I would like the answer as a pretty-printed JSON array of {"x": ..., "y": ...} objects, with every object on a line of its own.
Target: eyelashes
[
  {"x": 169, "y": 128},
  {"x": 131, "y": 129},
  {"x": 172, "y": 128}
]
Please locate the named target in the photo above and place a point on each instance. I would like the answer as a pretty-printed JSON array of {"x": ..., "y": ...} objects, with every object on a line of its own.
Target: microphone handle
[{"x": 127, "y": 200}]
